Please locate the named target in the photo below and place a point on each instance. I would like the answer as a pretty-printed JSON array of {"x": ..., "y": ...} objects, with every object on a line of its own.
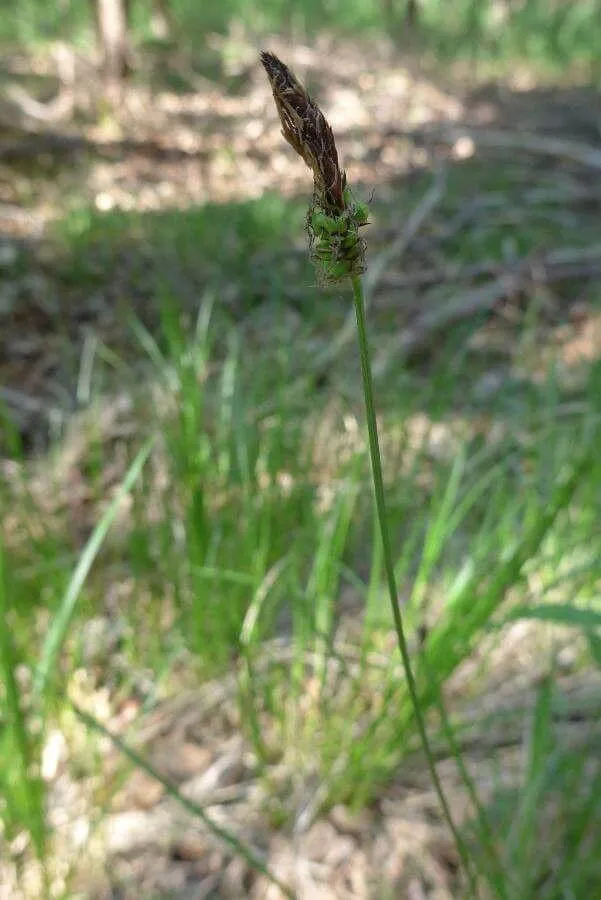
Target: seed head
[
  {"x": 307, "y": 131},
  {"x": 334, "y": 219}
]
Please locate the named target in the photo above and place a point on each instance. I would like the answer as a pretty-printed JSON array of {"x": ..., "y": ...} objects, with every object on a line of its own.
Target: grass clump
[{"x": 245, "y": 533}]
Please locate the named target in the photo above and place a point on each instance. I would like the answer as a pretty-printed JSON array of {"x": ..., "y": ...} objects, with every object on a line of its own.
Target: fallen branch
[
  {"x": 481, "y": 299},
  {"x": 574, "y": 151},
  {"x": 415, "y": 221},
  {"x": 558, "y": 264}
]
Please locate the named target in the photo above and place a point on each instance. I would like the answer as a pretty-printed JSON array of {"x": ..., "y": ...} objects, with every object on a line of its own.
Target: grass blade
[
  {"x": 228, "y": 838},
  {"x": 558, "y": 614},
  {"x": 25, "y": 792},
  {"x": 62, "y": 619}
]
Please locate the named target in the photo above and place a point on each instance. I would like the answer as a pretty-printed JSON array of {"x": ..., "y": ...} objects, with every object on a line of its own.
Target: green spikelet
[{"x": 337, "y": 249}]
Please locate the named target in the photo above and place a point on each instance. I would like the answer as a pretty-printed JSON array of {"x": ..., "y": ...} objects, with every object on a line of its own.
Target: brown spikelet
[{"x": 307, "y": 131}]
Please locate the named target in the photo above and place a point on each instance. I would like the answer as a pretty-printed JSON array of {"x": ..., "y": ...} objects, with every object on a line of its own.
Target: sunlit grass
[{"x": 242, "y": 534}]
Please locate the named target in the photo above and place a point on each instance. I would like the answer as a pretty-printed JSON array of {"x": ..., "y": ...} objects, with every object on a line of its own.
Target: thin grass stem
[
  {"x": 380, "y": 501},
  {"x": 224, "y": 834}
]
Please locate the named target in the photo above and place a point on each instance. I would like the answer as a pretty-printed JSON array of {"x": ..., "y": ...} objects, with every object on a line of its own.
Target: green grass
[
  {"x": 250, "y": 527},
  {"x": 536, "y": 31},
  {"x": 226, "y": 533},
  {"x": 22, "y": 795},
  {"x": 542, "y": 33},
  {"x": 181, "y": 252}
]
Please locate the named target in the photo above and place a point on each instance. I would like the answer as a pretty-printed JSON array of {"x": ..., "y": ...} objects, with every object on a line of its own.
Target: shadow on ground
[{"x": 189, "y": 192}]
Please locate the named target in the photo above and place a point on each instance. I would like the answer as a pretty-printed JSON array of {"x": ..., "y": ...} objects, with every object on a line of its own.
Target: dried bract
[
  {"x": 307, "y": 131},
  {"x": 334, "y": 220}
]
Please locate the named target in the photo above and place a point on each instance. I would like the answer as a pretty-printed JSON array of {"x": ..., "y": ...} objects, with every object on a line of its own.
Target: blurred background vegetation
[
  {"x": 201, "y": 694},
  {"x": 550, "y": 32}
]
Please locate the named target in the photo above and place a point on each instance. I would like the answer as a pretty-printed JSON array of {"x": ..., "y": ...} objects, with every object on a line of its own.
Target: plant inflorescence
[{"x": 334, "y": 218}]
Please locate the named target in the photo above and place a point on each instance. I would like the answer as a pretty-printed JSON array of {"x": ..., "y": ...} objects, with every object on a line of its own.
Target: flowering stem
[{"x": 378, "y": 482}]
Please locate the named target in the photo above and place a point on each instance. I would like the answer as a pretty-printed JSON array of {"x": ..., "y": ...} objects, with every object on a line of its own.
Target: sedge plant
[{"x": 334, "y": 223}]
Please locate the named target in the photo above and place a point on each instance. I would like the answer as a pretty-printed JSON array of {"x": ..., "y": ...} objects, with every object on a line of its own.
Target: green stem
[
  {"x": 225, "y": 835},
  {"x": 378, "y": 481},
  {"x": 495, "y": 867}
]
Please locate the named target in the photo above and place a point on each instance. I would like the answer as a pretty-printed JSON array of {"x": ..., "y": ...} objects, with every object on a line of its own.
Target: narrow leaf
[
  {"x": 559, "y": 613},
  {"x": 60, "y": 624}
]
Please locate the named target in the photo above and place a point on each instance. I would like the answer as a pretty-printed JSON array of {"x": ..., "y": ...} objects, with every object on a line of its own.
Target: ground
[{"x": 485, "y": 210}]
